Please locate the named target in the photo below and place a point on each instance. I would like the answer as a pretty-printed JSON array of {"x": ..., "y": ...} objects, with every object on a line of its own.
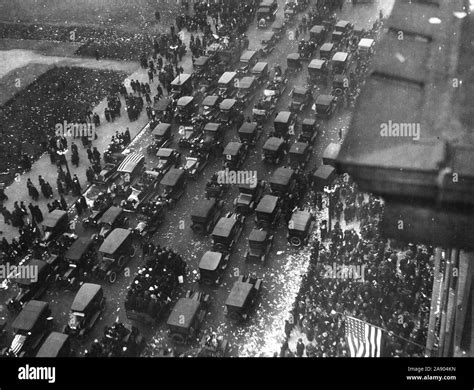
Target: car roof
[
  {"x": 53, "y": 218},
  {"x": 342, "y": 23},
  {"x": 28, "y": 316},
  {"x": 203, "y": 208},
  {"x": 210, "y": 100},
  {"x": 113, "y": 241},
  {"x": 247, "y": 55},
  {"x": 267, "y": 35},
  {"x": 324, "y": 99},
  {"x": 299, "y": 147},
  {"x": 293, "y": 56},
  {"x": 164, "y": 152},
  {"x": 239, "y": 293},
  {"x": 226, "y": 77},
  {"x": 300, "y": 220},
  {"x": 328, "y": 46},
  {"x": 212, "y": 126},
  {"x": 317, "y": 63},
  {"x": 78, "y": 248},
  {"x": 325, "y": 172},
  {"x": 161, "y": 129},
  {"x": 210, "y": 260},
  {"x": 309, "y": 122},
  {"x": 317, "y": 29},
  {"x": 162, "y": 104},
  {"x": 201, "y": 60},
  {"x": 227, "y": 104},
  {"x": 299, "y": 90},
  {"x": 39, "y": 265},
  {"x": 181, "y": 79},
  {"x": 273, "y": 144},
  {"x": 185, "y": 100},
  {"x": 130, "y": 162},
  {"x": 366, "y": 42},
  {"x": 340, "y": 56},
  {"x": 232, "y": 148},
  {"x": 224, "y": 226},
  {"x": 332, "y": 151},
  {"x": 183, "y": 313},
  {"x": 248, "y": 128},
  {"x": 267, "y": 204},
  {"x": 84, "y": 296},
  {"x": 283, "y": 117},
  {"x": 258, "y": 235},
  {"x": 172, "y": 177},
  {"x": 112, "y": 213},
  {"x": 282, "y": 176},
  {"x": 246, "y": 82},
  {"x": 52, "y": 345}
]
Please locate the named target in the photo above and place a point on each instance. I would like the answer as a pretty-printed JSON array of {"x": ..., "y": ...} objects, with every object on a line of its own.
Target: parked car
[
  {"x": 162, "y": 138},
  {"x": 283, "y": 182},
  {"x": 79, "y": 259},
  {"x": 210, "y": 107},
  {"x": 235, "y": 154},
  {"x": 227, "y": 232},
  {"x": 243, "y": 297},
  {"x": 249, "y": 133},
  {"x": 206, "y": 215},
  {"x": 301, "y": 98},
  {"x": 325, "y": 106},
  {"x": 275, "y": 150},
  {"x": 56, "y": 345},
  {"x": 309, "y": 131},
  {"x": 174, "y": 184},
  {"x": 113, "y": 218},
  {"x": 260, "y": 244},
  {"x": 300, "y": 227},
  {"x": 300, "y": 154},
  {"x": 212, "y": 266},
  {"x": 284, "y": 124},
  {"x": 268, "y": 212},
  {"x": 55, "y": 223},
  {"x": 249, "y": 196}
]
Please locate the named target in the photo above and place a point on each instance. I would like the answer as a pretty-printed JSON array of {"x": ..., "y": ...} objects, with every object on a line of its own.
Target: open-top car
[
  {"x": 325, "y": 106},
  {"x": 187, "y": 316},
  {"x": 79, "y": 259},
  {"x": 211, "y": 139},
  {"x": 268, "y": 212},
  {"x": 174, "y": 184},
  {"x": 129, "y": 171},
  {"x": 249, "y": 196},
  {"x": 243, "y": 297},
  {"x": 109, "y": 172},
  {"x": 212, "y": 266},
  {"x": 149, "y": 218},
  {"x": 167, "y": 158},
  {"x": 249, "y": 133},
  {"x": 283, "y": 182},
  {"x": 210, "y": 107},
  {"x": 301, "y": 98},
  {"x": 162, "y": 137},
  {"x": 234, "y": 155},
  {"x": 142, "y": 190},
  {"x": 30, "y": 328},
  {"x": 227, "y": 232},
  {"x": 275, "y": 150},
  {"x": 279, "y": 28},
  {"x": 309, "y": 131},
  {"x": 260, "y": 243},
  {"x": 307, "y": 49},
  {"x": 341, "y": 85},
  {"x": 115, "y": 252},
  {"x": 196, "y": 161},
  {"x": 300, "y": 227},
  {"x": 206, "y": 215},
  {"x": 86, "y": 309},
  {"x": 266, "y": 105},
  {"x": 300, "y": 154}
]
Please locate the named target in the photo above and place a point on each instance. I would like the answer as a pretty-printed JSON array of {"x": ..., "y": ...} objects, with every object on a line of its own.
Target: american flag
[{"x": 364, "y": 339}]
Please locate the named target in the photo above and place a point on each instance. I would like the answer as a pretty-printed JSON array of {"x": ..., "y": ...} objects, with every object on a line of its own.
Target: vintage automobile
[
  {"x": 167, "y": 159},
  {"x": 325, "y": 106},
  {"x": 92, "y": 220},
  {"x": 342, "y": 31},
  {"x": 33, "y": 287},
  {"x": 235, "y": 154},
  {"x": 283, "y": 182},
  {"x": 306, "y": 49},
  {"x": 266, "y": 105},
  {"x": 260, "y": 244},
  {"x": 301, "y": 98},
  {"x": 206, "y": 215},
  {"x": 215, "y": 188},
  {"x": 275, "y": 150},
  {"x": 318, "y": 72},
  {"x": 182, "y": 85},
  {"x": 242, "y": 298},
  {"x": 86, "y": 309},
  {"x": 212, "y": 138},
  {"x": 142, "y": 190},
  {"x": 341, "y": 63},
  {"x": 249, "y": 196},
  {"x": 109, "y": 170},
  {"x": 189, "y": 134},
  {"x": 164, "y": 110},
  {"x": 162, "y": 137},
  {"x": 330, "y": 154},
  {"x": 130, "y": 170},
  {"x": 249, "y": 133},
  {"x": 56, "y": 345},
  {"x": 279, "y": 28},
  {"x": 293, "y": 62},
  {"x": 289, "y": 16},
  {"x": 187, "y": 316},
  {"x": 280, "y": 78},
  {"x": 115, "y": 252},
  {"x": 55, "y": 223},
  {"x": 113, "y": 218},
  {"x": 340, "y": 85},
  {"x": 210, "y": 107},
  {"x": 229, "y": 114},
  {"x": 149, "y": 218},
  {"x": 323, "y": 176},
  {"x": 267, "y": 42},
  {"x": 211, "y": 346},
  {"x": 30, "y": 328},
  {"x": 173, "y": 183},
  {"x": 79, "y": 259},
  {"x": 186, "y": 109},
  {"x": 309, "y": 131},
  {"x": 246, "y": 90},
  {"x": 268, "y": 212},
  {"x": 300, "y": 227},
  {"x": 318, "y": 34},
  {"x": 226, "y": 85},
  {"x": 365, "y": 49},
  {"x": 296, "y": 5},
  {"x": 196, "y": 161},
  {"x": 284, "y": 124},
  {"x": 327, "y": 51},
  {"x": 247, "y": 60},
  {"x": 212, "y": 266},
  {"x": 300, "y": 154},
  {"x": 201, "y": 66},
  {"x": 227, "y": 232},
  {"x": 266, "y": 13},
  {"x": 260, "y": 72}
]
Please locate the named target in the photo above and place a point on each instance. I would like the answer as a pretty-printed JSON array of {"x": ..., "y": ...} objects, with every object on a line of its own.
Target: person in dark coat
[
  {"x": 63, "y": 203},
  {"x": 299, "y": 348},
  {"x": 38, "y": 214}
]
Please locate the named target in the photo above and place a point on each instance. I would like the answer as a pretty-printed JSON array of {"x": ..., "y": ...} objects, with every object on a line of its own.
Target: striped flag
[{"x": 364, "y": 340}]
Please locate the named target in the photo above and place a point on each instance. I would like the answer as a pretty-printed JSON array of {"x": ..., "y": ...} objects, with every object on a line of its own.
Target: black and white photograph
[{"x": 280, "y": 188}]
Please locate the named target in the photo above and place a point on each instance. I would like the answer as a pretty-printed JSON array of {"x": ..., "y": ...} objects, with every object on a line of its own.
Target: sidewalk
[{"x": 17, "y": 191}]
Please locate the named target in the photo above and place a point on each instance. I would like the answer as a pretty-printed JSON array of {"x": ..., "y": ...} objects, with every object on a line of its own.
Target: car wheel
[
  {"x": 132, "y": 252},
  {"x": 234, "y": 316},
  {"x": 296, "y": 242},
  {"x": 199, "y": 229},
  {"x": 178, "y": 338},
  {"x": 112, "y": 277}
]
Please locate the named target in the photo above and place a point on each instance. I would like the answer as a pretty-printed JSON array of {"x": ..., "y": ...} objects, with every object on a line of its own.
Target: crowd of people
[{"x": 392, "y": 289}]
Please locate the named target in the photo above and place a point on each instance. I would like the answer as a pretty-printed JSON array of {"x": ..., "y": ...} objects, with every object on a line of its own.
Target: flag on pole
[{"x": 364, "y": 340}]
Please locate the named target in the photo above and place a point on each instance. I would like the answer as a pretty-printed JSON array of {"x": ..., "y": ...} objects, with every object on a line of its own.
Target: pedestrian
[
  {"x": 63, "y": 203},
  {"x": 50, "y": 208},
  {"x": 97, "y": 54},
  {"x": 90, "y": 174},
  {"x": 7, "y": 216},
  {"x": 74, "y": 148},
  {"x": 300, "y": 348},
  {"x": 38, "y": 214},
  {"x": 77, "y": 204},
  {"x": 90, "y": 156},
  {"x": 75, "y": 159},
  {"x": 96, "y": 155},
  {"x": 83, "y": 202},
  {"x": 150, "y": 76}
]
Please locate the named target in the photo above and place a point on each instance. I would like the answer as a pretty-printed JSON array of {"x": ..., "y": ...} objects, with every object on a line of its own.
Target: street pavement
[{"x": 282, "y": 274}]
